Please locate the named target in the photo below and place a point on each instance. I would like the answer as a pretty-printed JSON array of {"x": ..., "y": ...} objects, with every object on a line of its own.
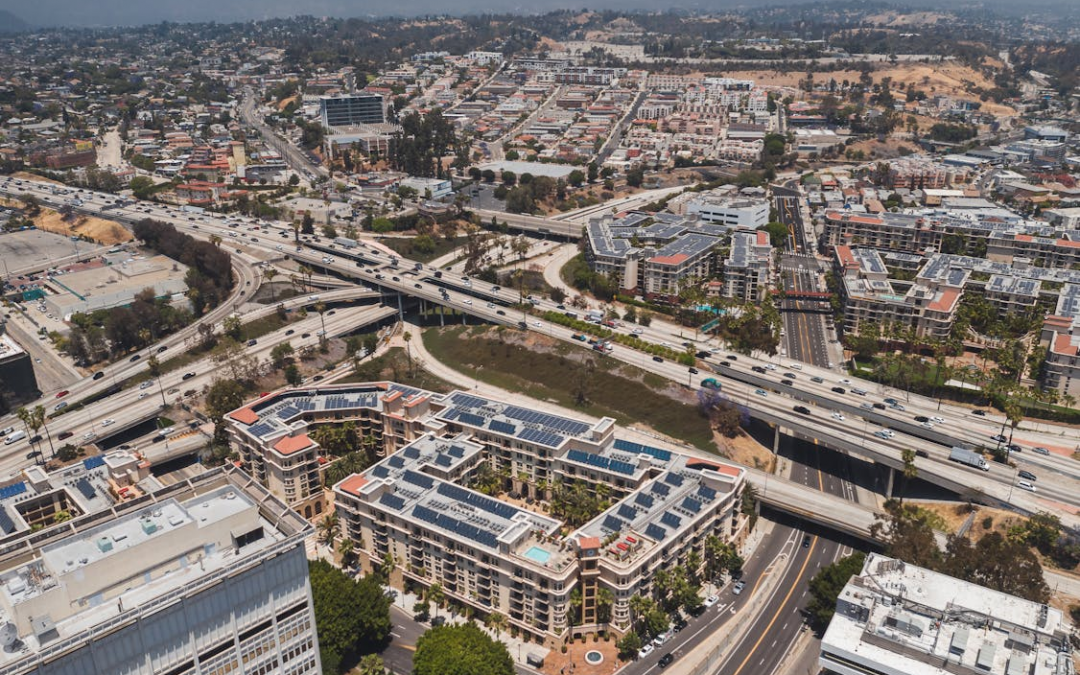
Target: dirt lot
[
  {"x": 102, "y": 231},
  {"x": 33, "y": 176}
]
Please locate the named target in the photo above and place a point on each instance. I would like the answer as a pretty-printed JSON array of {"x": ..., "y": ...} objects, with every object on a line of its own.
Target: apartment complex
[
  {"x": 928, "y": 305},
  {"x": 351, "y": 110},
  {"x": 1061, "y": 336},
  {"x": 895, "y": 618},
  {"x": 747, "y": 270},
  {"x": 207, "y": 575},
  {"x": 654, "y": 254},
  {"x": 497, "y": 556}
]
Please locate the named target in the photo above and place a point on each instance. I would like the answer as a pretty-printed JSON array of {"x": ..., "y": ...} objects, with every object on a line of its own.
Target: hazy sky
[{"x": 132, "y": 12}]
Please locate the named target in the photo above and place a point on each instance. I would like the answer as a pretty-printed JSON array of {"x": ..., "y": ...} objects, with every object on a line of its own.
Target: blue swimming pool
[{"x": 537, "y": 554}]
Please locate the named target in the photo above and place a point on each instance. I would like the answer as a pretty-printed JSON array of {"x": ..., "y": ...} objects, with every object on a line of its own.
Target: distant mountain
[{"x": 9, "y": 23}]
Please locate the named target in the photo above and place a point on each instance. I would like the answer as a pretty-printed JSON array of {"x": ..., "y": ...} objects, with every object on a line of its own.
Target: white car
[
  {"x": 838, "y": 416},
  {"x": 937, "y": 420},
  {"x": 927, "y": 425},
  {"x": 537, "y": 324},
  {"x": 89, "y": 436},
  {"x": 1024, "y": 485},
  {"x": 769, "y": 366},
  {"x": 108, "y": 422},
  {"x": 468, "y": 302},
  {"x": 844, "y": 380},
  {"x": 637, "y": 331},
  {"x": 143, "y": 395},
  {"x": 761, "y": 392},
  {"x": 146, "y": 385},
  {"x": 711, "y": 600},
  {"x": 491, "y": 305},
  {"x": 645, "y": 651}
]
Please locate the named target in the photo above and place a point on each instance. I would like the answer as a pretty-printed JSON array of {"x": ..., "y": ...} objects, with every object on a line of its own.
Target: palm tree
[
  {"x": 269, "y": 273},
  {"x": 604, "y": 601},
  {"x": 215, "y": 240},
  {"x": 320, "y": 307},
  {"x": 910, "y": 471},
  {"x": 496, "y": 622},
  {"x": 306, "y": 271},
  {"x": 34, "y": 419},
  {"x": 407, "y": 337},
  {"x": 296, "y": 231},
  {"x": 346, "y": 549},
  {"x": 329, "y": 528},
  {"x": 371, "y": 664},
  {"x": 153, "y": 366},
  {"x": 435, "y": 596}
]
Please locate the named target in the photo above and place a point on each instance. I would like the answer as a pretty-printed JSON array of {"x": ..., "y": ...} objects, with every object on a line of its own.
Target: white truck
[
  {"x": 972, "y": 459},
  {"x": 14, "y": 437}
]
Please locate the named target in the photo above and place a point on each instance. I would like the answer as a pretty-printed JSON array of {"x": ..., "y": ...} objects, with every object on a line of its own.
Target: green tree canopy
[
  {"x": 826, "y": 585},
  {"x": 352, "y": 617},
  {"x": 459, "y": 650}
]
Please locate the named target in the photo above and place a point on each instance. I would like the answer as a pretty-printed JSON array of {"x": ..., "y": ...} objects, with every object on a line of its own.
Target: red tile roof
[
  {"x": 245, "y": 415},
  {"x": 292, "y": 444},
  {"x": 1063, "y": 345},
  {"x": 352, "y": 484},
  {"x": 589, "y": 542},
  {"x": 669, "y": 259},
  {"x": 946, "y": 302},
  {"x": 762, "y": 238}
]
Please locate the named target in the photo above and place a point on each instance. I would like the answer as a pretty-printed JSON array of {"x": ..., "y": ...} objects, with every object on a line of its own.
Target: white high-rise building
[{"x": 203, "y": 577}]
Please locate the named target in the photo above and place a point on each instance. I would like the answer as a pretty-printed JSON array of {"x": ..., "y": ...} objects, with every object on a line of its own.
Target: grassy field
[
  {"x": 406, "y": 248},
  {"x": 553, "y": 372}
]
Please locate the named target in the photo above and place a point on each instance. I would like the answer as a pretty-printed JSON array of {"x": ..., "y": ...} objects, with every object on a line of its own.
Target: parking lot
[{"x": 30, "y": 250}]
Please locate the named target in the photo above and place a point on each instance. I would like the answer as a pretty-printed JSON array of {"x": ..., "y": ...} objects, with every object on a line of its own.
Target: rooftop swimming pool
[{"x": 537, "y": 554}]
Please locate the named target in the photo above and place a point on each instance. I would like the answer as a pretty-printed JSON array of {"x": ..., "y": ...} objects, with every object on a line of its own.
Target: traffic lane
[
  {"x": 700, "y": 629},
  {"x": 782, "y": 619}
]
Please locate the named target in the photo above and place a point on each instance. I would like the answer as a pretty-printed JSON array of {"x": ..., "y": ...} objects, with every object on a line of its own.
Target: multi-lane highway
[{"x": 380, "y": 269}]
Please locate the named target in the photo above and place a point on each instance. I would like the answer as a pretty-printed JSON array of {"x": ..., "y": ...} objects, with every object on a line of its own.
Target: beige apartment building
[{"x": 415, "y": 506}]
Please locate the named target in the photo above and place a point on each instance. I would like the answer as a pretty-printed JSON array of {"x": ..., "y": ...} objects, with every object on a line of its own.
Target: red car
[{"x": 63, "y": 394}]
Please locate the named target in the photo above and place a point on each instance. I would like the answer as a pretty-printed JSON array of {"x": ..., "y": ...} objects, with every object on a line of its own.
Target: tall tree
[
  {"x": 352, "y": 617},
  {"x": 461, "y": 649}
]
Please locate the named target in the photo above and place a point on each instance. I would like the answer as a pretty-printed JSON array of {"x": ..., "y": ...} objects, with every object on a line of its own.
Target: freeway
[
  {"x": 380, "y": 269},
  {"x": 805, "y": 334},
  {"x": 129, "y": 407}
]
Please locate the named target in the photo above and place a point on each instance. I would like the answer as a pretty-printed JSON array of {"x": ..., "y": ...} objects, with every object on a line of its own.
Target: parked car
[
  {"x": 738, "y": 587},
  {"x": 645, "y": 651},
  {"x": 665, "y": 660}
]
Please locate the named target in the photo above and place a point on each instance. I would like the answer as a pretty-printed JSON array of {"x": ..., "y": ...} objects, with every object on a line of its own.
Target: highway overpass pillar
[
  {"x": 776, "y": 441},
  {"x": 892, "y": 479},
  {"x": 400, "y": 309}
]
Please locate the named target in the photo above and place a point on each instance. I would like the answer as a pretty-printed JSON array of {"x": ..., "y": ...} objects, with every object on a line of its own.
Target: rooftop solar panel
[
  {"x": 412, "y": 452},
  {"x": 84, "y": 486},
  {"x": 380, "y": 471},
  {"x": 660, "y": 489},
  {"x": 655, "y": 532},
  {"x": 644, "y": 499},
  {"x": 392, "y": 500},
  {"x": 91, "y": 463},
  {"x": 444, "y": 460},
  {"x": 502, "y": 427},
  {"x": 457, "y": 451},
  {"x": 691, "y": 505},
  {"x": 674, "y": 479},
  {"x": 6, "y": 523},
  {"x": 670, "y": 519},
  {"x": 626, "y": 511},
  {"x": 706, "y": 493},
  {"x": 418, "y": 479},
  {"x": 396, "y": 461},
  {"x": 613, "y": 524},
  {"x": 471, "y": 419}
]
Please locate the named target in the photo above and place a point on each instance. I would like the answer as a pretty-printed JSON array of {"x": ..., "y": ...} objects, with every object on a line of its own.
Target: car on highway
[
  {"x": 790, "y": 376},
  {"x": 769, "y": 366},
  {"x": 173, "y": 390},
  {"x": 883, "y": 433},
  {"x": 65, "y": 434},
  {"x": 290, "y": 331},
  {"x": 1013, "y": 447},
  {"x": 922, "y": 418},
  {"x": 761, "y": 392},
  {"x": 693, "y": 371},
  {"x": 146, "y": 385},
  {"x": 839, "y": 390},
  {"x": 937, "y": 420},
  {"x": 838, "y": 416},
  {"x": 1027, "y": 475},
  {"x": 468, "y": 302},
  {"x": 738, "y": 587},
  {"x": 802, "y": 410},
  {"x": 657, "y": 359},
  {"x": 162, "y": 348},
  {"x": 1040, "y": 451},
  {"x": 645, "y": 651},
  {"x": 89, "y": 436},
  {"x": 758, "y": 369},
  {"x": 979, "y": 412},
  {"x": 1000, "y": 438},
  {"x": 143, "y": 395},
  {"x": 62, "y": 394},
  {"x": 108, "y": 422},
  {"x": 99, "y": 374},
  {"x": 305, "y": 335},
  {"x": 1025, "y": 485},
  {"x": 135, "y": 358},
  {"x": 61, "y": 405},
  {"x": 731, "y": 357},
  {"x": 188, "y": 376},
  {"x": 817, "y": 380},
  {"x": 500, "y": 312},
  {"x": 665, "y": 660},
  {"x": 788, "y": 383}
]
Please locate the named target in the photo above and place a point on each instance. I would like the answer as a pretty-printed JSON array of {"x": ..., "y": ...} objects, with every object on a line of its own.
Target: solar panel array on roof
[
  {"x": 304, "y": 404},
  {"x": 612, "y": 524},
  {"x": 288, "y": 412},
  {"x": 485, "y": 537},
  {"x": 540, "y": 437},
  {"x": 670, "y": 519},
  {"x": 471, "y": 419},
  {"x": 380, "y": 471},
  {"x": 638, "y": 448},
  {"x": 6, "y": 523},
  {"x": 600, "y": 462},
  {"x": 91, "y": 463},
  {"x": 674, "y": 479},
  {"x": 13, "y": 490},
  {"x": 84, "y": 486},
  {"x": 456, "y": 451},
  {"x": 392, "y": 500},
  {"x": 626, "y": 511},
  {"x": 644, "y": 499},
  {"x": 396, "y": 461},
  {"x": 261, "y": 429},
  {"x": 501, "y": 427},
  {"x": 622, "y": 467},
  {"x": 467, "y": 401},
  {"x": 418, "y": 479},
  {"x": 444, "y": 460},
  {"x": 660, "y": 489},
  {"x": 691, "y": 505},
  {"x": 706, "y": 493},
  {"x": 560, "y": 424},
  {"x": 411, "y": 452},
  {"x": 655, "y": 532},
  {"x": 478, "y": 500}
]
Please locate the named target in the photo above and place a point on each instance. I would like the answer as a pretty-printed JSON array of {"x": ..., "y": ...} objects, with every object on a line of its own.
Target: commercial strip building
[
  {"x": 113, "y": 280},
  {"x": 415, "y": 506},
  {"x": 720, "y": 206},
  {"x": 894, "y": 618},
  {"x": 207, "y": 575}
]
